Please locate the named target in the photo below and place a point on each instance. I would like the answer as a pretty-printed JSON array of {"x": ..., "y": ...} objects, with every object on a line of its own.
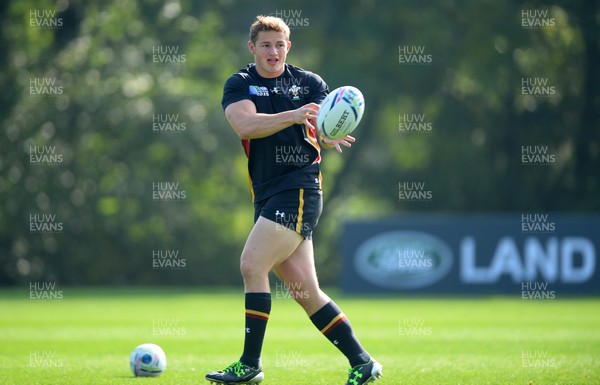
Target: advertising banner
[{"x": 541, "y": 256}]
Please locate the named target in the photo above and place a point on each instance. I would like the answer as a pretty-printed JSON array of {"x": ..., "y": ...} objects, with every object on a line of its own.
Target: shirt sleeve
[
  {"x": 235, "y": 89},
  {"x": 319, "y": 89}
]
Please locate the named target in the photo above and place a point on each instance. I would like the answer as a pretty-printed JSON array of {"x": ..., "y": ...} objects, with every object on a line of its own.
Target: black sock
[
  {"x": 333, "y": 324},
  {"x": 258, "y": 307}
]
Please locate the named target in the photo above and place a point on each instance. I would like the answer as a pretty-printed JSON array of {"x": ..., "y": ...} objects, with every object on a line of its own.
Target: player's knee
[
  {"x": 251, "y": 270},
  {"x": 246, "y": 269}
]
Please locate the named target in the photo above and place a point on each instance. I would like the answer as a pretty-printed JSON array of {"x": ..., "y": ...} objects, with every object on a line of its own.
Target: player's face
[{"x": 269, "y": 52}]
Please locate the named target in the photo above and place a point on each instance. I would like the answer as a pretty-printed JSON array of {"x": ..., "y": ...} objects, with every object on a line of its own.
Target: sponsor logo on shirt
[{"x": 258, "y": 91}]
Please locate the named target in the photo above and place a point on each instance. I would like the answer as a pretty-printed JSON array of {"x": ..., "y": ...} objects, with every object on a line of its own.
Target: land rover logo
[{"x": 403, "y": 260}]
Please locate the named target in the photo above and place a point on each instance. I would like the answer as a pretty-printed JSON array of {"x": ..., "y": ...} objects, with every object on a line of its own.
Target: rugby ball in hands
[{"x": 341, "y": 112}]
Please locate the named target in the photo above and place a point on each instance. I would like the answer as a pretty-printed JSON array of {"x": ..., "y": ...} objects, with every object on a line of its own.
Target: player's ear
[
  {"x": 289, "y": 45},
  {"x": 251, "y": 47}
]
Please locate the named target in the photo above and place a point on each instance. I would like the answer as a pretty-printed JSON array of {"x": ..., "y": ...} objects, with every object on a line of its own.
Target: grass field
[{"x": 86, "y": 336}]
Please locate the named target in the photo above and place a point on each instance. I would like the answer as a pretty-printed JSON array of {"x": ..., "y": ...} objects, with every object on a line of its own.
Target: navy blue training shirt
[{"x": 288, "y": 159}]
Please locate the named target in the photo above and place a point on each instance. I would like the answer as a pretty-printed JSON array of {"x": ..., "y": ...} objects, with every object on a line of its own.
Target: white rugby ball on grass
[
  {"x": 148, "y": 360},
  {"x": 340, "y": 112}
]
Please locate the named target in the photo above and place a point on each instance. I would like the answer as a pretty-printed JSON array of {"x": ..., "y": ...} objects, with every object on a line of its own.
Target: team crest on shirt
[
  {"x": 295, "y": 91},
  {"x": 258, "y": 90}
]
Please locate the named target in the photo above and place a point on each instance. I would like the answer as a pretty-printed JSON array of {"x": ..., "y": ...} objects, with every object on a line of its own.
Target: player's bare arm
[{"x": 249, "y": 124}]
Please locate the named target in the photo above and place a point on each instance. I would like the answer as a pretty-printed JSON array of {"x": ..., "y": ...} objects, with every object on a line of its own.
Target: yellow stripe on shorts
[{"x": 300, "y": 211}]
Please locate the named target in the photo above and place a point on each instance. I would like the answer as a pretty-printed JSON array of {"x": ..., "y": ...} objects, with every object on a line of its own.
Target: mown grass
[{"x": 86, "y": 338}]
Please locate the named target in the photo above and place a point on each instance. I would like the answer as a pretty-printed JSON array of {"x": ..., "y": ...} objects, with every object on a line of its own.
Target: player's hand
[
  {"x": 306, "y": 113},
  {"x": 346, "y": 141}
]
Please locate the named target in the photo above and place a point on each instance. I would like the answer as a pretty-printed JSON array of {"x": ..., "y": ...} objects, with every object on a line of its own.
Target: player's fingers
[
  {"x": 338, "y": 148},
  {"x": 309, "y": 113},
  {"x": 313, "y": 106},
  {"x": 308, "y": 123}
]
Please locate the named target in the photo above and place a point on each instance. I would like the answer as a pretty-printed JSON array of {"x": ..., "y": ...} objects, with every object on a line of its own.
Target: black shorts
[{"x": 298, "y": 210}]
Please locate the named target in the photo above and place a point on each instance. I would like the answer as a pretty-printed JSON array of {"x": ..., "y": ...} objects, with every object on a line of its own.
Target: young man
[{"x": 272, "y": 107}]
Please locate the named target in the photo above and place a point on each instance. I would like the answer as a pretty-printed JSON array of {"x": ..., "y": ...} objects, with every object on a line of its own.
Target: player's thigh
[
  {"x": 298, "y": 271},
  {"x": 267, "y": 245}
]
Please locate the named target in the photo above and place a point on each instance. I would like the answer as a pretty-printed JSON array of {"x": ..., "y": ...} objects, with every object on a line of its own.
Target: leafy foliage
[{"x": 107, "y": 58}]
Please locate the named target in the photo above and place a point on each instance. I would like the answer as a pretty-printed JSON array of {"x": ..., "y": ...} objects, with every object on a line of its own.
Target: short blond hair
[{"x": 268, "y": 23}]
